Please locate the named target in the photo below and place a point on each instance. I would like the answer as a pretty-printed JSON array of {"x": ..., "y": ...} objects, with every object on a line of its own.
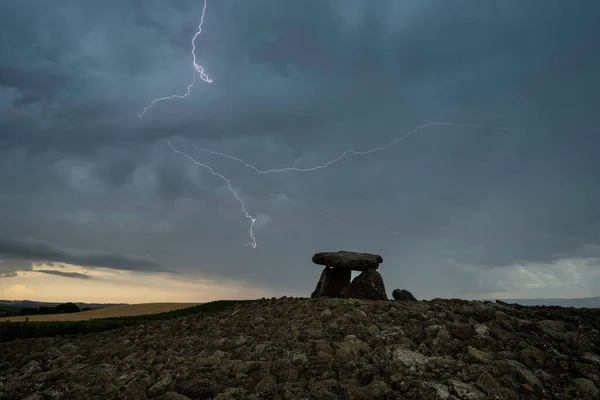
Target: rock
[
  {"x": 160, "y": 386},
  {"x": 591, "y": 358},
  {"x": 379, "y": 389},
  {"x": 408, "y": 358},
  {"x": 332, "y": 281},
  {"x": 461, "y": 331},
  {"x": 325, "y": 389},
  {"x": 320, "y": 348},
  {"x": 51, "y": 353},
  {"x": 502, "y": 394},
  {"x": 465, "y": 391},
  {"x": 53, "y": 394},
  {"x": 173, "y": 396},
  {"x": 68, "y": 348},
  {"x": 403, "y": 295},
  {"x": 585, "y": 389},
  {"x": 31, "y": 368},
  {"x": 368, "y": 286},
  {"x": 522, "y": 373},
  {"x": 434, "y": 390},
  {"x": 348, "y": 259},
  {"x": 487, "y": 383},
  {"x": 234, "y": 393},
  {"x": 324, "y": 346},
  {"x": 284, "y": 372},
  {"x": 323, "y": 279},
  {"x": 352, "y": 390},
  {"x": 266, "y": 386},
  {"x": 506, "y": 355},
  {"x": 291, "y": 391},
  {"x": 478, "y": 356},
  {"x": 198, "y": 388},
  {"x": 481, "y": 329},
  {"x": 52, "y": 375}
]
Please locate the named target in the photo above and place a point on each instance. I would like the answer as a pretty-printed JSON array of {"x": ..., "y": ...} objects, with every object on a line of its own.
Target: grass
[
  {"x": 22, "y": 330},
  {"x": 105, "y": 312}
]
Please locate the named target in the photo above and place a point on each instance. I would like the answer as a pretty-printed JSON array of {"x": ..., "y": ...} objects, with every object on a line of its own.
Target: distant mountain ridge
[{"x": 584, "y": 302}]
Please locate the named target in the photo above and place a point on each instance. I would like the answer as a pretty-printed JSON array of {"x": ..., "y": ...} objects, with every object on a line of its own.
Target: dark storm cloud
[
  {"x": 9, "y": 268},
  {"x": 296, "y": 83},
  {"x": 31, "y": 249},
  {"x": 75, "y": 275}
]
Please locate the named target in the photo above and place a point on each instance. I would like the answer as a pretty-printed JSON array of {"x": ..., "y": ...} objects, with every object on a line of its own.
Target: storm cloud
[
  {"x": 296, "y": 84},
  {"x": 76, "y": 275},
  {"x": 36, "y": 250}
]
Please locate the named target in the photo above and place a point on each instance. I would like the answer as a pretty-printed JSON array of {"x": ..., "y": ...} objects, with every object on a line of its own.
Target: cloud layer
[
  {"x": 36, "y": 250},
  {"x": 296, "y": 84}
]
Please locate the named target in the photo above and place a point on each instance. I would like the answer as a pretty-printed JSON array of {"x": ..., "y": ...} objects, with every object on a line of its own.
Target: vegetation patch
[{"x": 22, "y": 330}]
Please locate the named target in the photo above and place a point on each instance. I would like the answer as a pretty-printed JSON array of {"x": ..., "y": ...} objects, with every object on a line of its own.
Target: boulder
[
  {"x": 403, "y": 295},
  {"x": 368, "y": 285},
  {"x": 348, "y": 259},
  {"x": 332, "y": 281}
]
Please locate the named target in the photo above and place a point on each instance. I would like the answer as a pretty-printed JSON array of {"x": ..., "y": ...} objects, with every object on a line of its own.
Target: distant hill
[
  {"x": 584, "y": 302},
  {"x": 15, "y": 306},
  {"x": 106, "y": 312}
]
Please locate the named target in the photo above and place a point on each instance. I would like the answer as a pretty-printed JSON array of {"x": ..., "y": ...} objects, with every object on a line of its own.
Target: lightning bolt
[
  {"x": 349, "y": 151},
  {"x": 253, "y": 242},
  {"x": 318, "y": 167},
  {"x": 197, "y": 68},
  {"x": 231, "y": 189}
]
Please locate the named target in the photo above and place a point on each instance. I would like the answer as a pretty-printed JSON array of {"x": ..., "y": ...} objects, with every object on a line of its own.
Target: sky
[{"x": 96, "y": 206}]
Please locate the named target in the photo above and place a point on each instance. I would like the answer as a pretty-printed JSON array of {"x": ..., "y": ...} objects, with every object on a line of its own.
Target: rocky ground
[{"x": 322, "y": 349}]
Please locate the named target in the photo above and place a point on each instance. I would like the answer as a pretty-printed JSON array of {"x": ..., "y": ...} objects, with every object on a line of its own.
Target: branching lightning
[
  {"x": 349, "y": 151},
  {"x": 314, "y": 168},
  {"x": 231, "y": 189},
  {"x": 197, "y": 68}
]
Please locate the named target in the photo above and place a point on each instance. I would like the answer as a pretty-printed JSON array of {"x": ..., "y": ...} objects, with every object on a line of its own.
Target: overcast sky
[{"x": 95, "y": 205}]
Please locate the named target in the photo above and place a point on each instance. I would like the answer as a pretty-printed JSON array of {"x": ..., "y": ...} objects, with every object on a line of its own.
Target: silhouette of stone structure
[{"x": 335, "y": 280}]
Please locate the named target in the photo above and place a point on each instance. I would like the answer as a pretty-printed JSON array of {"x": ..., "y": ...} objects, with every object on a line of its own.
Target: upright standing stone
[
  {"x": 332, "y": 281},
  {"x": 368, "y": 285},
  {"x": 319, "y": 290}
]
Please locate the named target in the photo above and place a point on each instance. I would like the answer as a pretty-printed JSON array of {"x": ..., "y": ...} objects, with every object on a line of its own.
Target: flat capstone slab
[{"x": 348, "y": 259}]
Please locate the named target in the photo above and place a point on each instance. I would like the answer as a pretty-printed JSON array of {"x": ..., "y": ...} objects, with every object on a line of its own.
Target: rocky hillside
[{"x": 322, "y": 348}]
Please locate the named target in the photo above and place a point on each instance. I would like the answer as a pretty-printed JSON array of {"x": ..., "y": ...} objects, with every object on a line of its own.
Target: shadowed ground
[{"x": 107, "y": 312}]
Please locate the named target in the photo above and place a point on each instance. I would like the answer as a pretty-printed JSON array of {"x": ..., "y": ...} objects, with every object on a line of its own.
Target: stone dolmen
[{"x": 335, "y": 278}]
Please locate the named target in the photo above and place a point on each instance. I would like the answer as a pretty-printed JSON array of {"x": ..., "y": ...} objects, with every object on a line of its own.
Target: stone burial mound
[
  {"x": 336, "y": 281},
  {"x": 322, "y": 348}
]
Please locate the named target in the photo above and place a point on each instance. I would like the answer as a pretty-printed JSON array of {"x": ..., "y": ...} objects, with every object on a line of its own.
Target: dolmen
[{"x": 335, "y": 278}]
